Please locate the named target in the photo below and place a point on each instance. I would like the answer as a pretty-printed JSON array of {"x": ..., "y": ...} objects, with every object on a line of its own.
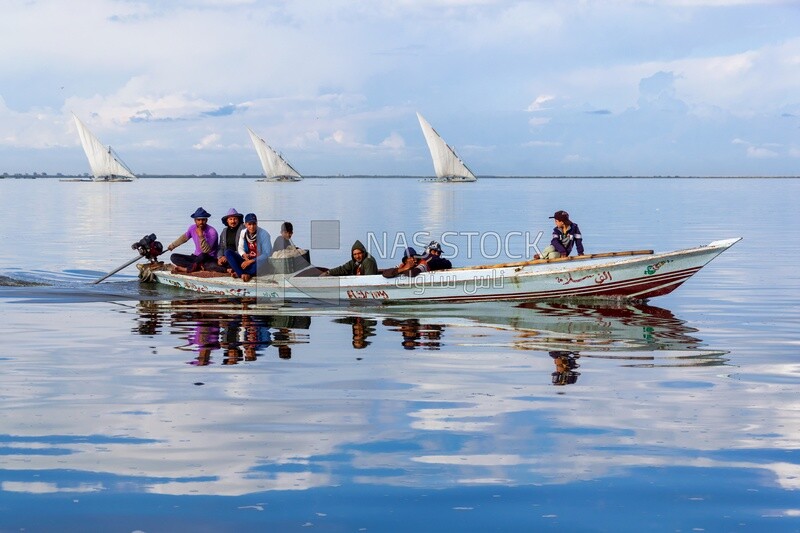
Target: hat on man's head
[
  {"x": 561, "y": 216},
  {"x": 232, "y": 213},
  {"x": 434, "y": 245},
  {"x": 250, "y": 217},
  {"x": 200, "y": 213},
  {"x": 409, "y": 252}
]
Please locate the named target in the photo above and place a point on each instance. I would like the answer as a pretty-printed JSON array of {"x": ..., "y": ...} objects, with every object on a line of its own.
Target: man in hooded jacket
[
  {"x": 361, "y": 264},
  {"x": 229, "y": 235}
]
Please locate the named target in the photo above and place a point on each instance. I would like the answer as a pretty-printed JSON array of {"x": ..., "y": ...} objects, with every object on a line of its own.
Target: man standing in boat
[
  {"x": 205, "y": 245},
  {"x": 255, "y": 247},
  {"x": 566, "y": 235}
]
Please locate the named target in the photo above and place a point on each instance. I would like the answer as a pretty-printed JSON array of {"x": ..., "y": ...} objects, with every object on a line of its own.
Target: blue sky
[{"x": 520, "y": 88}]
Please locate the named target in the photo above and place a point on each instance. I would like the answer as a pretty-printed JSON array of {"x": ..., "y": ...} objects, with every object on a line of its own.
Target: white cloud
[
  {"x": 760, "y": 152},
  {"x": 537, "y": 144},
  {"x": 574, "y": 158},
  {"x": 539, "y": 121},
  {"x": 209, "y": 141},
  {"x": 538, "y": 103},
  {"x": 393, "y": 142}
]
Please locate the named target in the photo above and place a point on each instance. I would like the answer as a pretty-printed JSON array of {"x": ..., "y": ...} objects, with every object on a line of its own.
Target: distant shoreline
[{"x": 377, "y": 176}]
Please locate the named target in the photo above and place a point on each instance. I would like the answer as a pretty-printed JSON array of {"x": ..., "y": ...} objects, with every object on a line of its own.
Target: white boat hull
[{"x": 636, "y": 277}]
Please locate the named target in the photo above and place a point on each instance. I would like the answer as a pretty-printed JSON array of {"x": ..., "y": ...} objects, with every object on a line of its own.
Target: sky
[{"x": 518, "y": 88}]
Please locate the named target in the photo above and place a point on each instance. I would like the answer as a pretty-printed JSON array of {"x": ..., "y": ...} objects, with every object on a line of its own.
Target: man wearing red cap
[{"x": 566, "y": 234}]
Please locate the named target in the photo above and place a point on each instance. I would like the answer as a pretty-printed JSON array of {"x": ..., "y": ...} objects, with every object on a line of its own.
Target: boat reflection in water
[
  {"x": 637, "y": 334},
  {"x": 224, "y": 325},
  {"x": 241, "y": 330},
  {"x": 434, "y": 396}
]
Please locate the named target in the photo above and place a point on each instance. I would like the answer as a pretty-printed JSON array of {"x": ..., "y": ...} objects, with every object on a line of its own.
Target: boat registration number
[{"x": 362, "y": 295}]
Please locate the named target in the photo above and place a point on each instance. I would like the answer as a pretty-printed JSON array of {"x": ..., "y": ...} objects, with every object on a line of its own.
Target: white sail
[
  {"x": 276, "y": 168},
  {"x": 104, "y": 164},
  {"x": 446, "y": 163}
]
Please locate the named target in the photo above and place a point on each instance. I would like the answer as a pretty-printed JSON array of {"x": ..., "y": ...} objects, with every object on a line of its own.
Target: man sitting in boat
[
  {"x": 433, "y": 260},
  {"x": 233, "y": 226},
  {"x": 361, "y": 264},
  {"x": 205, "y": 245},
  {"x": 566, "y": 234},
  {"x": 255, "y": 247},
  {"x": 284, "y": 240},
  {"x": 414, "y": 264}
]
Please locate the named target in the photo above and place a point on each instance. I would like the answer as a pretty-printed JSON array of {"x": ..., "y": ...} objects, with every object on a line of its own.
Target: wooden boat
[
  {"x": 446, "y": 163},
  {"x": 638, "y": 274},
  {"x": 276, "y": 168},
  {"x": 105, "y": 164}
]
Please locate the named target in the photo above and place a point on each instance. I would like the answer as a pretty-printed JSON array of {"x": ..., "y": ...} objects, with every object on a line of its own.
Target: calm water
[{"x": 127, "y": 407}]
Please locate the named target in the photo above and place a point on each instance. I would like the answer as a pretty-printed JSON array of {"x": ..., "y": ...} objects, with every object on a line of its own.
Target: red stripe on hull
[{"x": 649, "y": 287}]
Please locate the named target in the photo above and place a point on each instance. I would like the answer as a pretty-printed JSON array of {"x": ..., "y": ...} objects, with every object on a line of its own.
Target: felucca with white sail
[
  {"x": 276, "y": 168},
  {"x": 446, "y": 163},
  {"x": 105, "y": 164}
]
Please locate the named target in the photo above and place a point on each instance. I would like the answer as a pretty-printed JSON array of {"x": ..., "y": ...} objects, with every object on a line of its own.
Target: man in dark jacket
[
  {"x": 566, "y": 234},
  {"x": 414, "y": 264},
  {"x": 361, "y": 264},
  {"x": 433, "y": 260},
  {"x": 233, "y": 225}
]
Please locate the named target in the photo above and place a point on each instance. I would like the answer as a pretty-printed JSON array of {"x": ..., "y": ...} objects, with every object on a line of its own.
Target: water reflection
[
  {"x": 415, "y": 334},
  {"x": 450, "y": 395},
  {"x": 223, "y": 326},
  {"x": 363, "y": 328},
  {"x": 566, "y": 365},
  {"x": 636, "y": 334}
]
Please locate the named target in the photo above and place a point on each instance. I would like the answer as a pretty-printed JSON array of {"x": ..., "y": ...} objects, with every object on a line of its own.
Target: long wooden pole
[
  {"x": 132, "y": 261},
  {"x": 558, "y": 259}
]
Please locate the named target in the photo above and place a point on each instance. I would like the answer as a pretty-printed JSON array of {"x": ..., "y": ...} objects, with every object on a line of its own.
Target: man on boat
[
  {"x": 255, "y": 247},
  {"x": 566, "y": 235},
  {"x": 414, "y": 264},
  {"x": 361, "y": 264},
  {"x": 205, "y": 245},
  {"x": 433, "y": 260},
  {"x": 233, "y": 226},
  {"x": 284, "y": 240}
]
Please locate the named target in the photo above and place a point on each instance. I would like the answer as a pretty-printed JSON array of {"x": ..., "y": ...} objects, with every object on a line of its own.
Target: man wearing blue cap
[
  {"x": 205, "y": 245},
  {"x": 255, "y": 247},
  {"x": 409, "y": 261}
]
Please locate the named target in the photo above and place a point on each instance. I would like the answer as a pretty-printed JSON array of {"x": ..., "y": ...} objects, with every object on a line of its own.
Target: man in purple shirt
[{"x": 205, "y": 240}]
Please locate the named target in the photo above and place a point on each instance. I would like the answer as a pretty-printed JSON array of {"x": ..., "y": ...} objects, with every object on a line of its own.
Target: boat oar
[
  {"x": 127, "y": 263},
  {"x": 148, "y": 247}
]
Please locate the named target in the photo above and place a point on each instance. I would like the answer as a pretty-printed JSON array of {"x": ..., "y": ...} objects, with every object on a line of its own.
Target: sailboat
[
  {"x": 276, "y": 168},
  {"x": 105, "y": 164},
  {"x": 446, "y": 163}
]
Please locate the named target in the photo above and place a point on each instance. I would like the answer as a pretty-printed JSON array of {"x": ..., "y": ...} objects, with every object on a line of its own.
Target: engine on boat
[{"x": 148, "y": 247}]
